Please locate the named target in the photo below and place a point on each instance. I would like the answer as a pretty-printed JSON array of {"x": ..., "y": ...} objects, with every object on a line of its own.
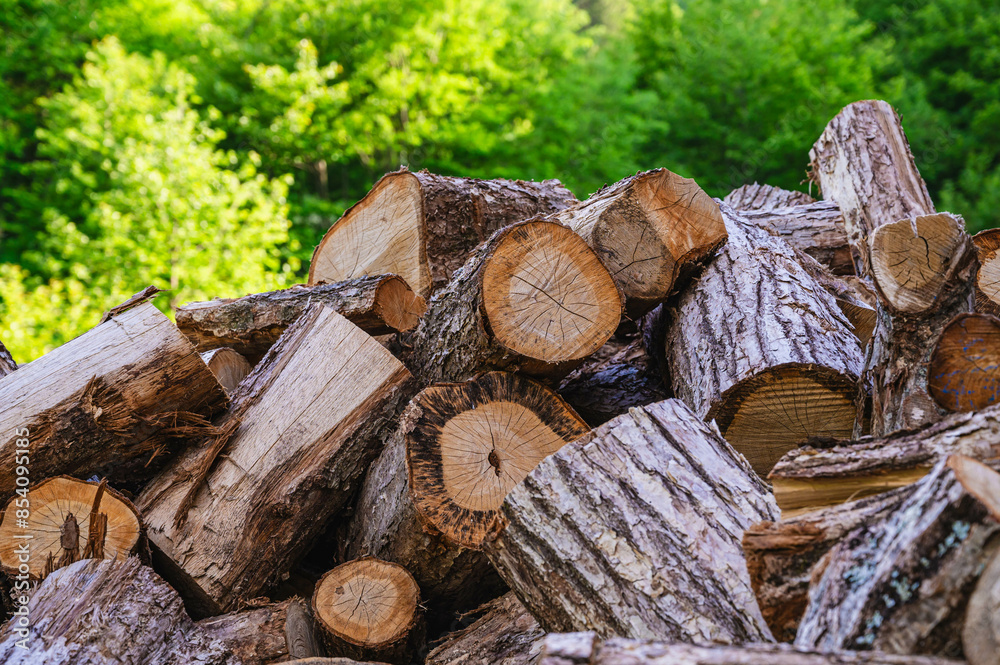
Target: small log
[
  {"x": 434, "y": 495},
  {"x": 784, "y": 363},
  {"x": 901, "y": 584},
  {"x": 369, "y": 609},
  {"x": 981, "y": 633},
  {"x": 228, "y": 366},
  {"x": 273, "y": 633},
  {"x": 7, "y": 364},
  {"x": 423, "y": 226},
  {"x": 988, "y": 279},
  {"x": 964, "y": 372},
  {"x": 230, "y": 519},
  {"x": 765, "y": 197},
  {"x": 814, "y": 228},
  {"x": 533, "y": 298},
  {"x": 250, "y": 325},
  {"x": 635, "y": 530},
  {"x": 106, "y": 402},
  {"x": 504, "y": 634}
]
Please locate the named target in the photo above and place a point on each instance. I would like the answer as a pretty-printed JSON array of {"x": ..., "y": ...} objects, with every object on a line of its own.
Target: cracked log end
[
  {"x": 62, "y": 508},
  {"x": 988, "y": 280},
  {"x": 228, "y": 367},
  {"x": 964, "y": 372},
  {"x": 473, "y": 442}
]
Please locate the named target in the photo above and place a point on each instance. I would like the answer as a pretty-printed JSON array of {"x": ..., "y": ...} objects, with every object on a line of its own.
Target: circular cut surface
[
  {"x": 229, "y": 367},
  {"x": 399, "y": 306},
  {"x": 964, "y": 373},
  {"x": 546, "y": 294},
  {"x": 988, "y": 279},
  {"x": 474, "y": 441},
  {"x": 367, "y": 602},
  {"x": 50, "y": 503}
]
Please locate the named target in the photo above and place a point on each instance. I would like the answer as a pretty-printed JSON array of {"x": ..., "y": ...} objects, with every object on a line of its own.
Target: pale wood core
[
  {"x": 801, "y": 495},
  {"x": 547, "y": 296},
  {"x": 228, "y": 367},
  {"x": 988, "y": 279},
  {"x": 367, "y": 602},
  {"x": 399, "y": 306},
  {"x": 978, "y": 480},
  {"x": 964, "y": 372}
]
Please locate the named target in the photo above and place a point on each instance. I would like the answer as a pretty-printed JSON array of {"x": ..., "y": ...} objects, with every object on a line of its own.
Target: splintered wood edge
[
  {"x": 397, "y": 305},
  {"x": 546, "y": 295},
  {"x": 862, "y": 319},
  {"x": 123, "y": 530},
  {"x": 228, "y": 366},
  {"x": 393, "y": 607},
  {"x": 472, "y": 442},
  {"x": 978, "y": 480},
  {"x": 392, "y": 239},
  {"x": 964, "y": 370},
  {"x": 988, "y": 279},
  {"x": 796, "y": 496}
]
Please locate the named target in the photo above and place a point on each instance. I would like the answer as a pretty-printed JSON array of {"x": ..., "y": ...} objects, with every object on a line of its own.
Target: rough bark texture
[
  {"x": 901, "y": 584},
  {"x": 635, "y": 530},
  {"x": 306, "y": 423},
  {"x": 106, "y": 401},
  {"x": 7, "y": 364},
  {"x": 586, "y": 649},
  {"x": 764, "y": 197},
  {"x": 110, "y": 612},
  {"x": 268, "y": 634},
  {"x": 814, "y": 228},
  {"x": 981, "y": 633},
  {"x": 250, "y": 325},
  {"x": 504, "y": 634},
  {"x": 852, "y": 297}
]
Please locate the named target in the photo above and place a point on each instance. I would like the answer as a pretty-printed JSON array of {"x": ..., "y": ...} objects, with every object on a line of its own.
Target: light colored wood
[
  {"x": 266, "y": 634},
  {"x": 765, "y": 197},
  {"x": 504, "y": 634},
  {"x": 988, "y": 278},
  {"x": 964, "y": 372},
  {"x": 105, "y": 402},
  {"x": 228, "y": 366},
  {"x": 304, "y": 425},
  {"x": 635, "y": 530},
  {"x": 981, "y": 632}
]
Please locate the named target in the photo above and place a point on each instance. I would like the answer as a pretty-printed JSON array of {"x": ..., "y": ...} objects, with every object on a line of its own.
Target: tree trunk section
[
  {"x": 764, "y": 197},
  {"x": 814, "y": 228},
  {"x": 634, "y": 530},
  {"x": 228, "y": 367},
  {"x": 504, "y": 634},
  {"x": 988, "y": 278},
  {"x": 230, "y": 520},
  {"x": 268, "y": 634},
  {"x": 964, "y": 371}
]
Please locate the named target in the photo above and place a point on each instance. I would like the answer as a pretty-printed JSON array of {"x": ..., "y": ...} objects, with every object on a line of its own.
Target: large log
[
  {"x": 784, "y": 363},
  {"x": 764, "y": 197},
  {"x": 422, "y": 226},
  {"x": 533, "y": 298},
  {"x": 230, "y": 520},
  {"x": 504, "y": 634},
  {"x": 901, "y": 584},
  {"x": 266, "y": 634},
  {"x": 106, "y": 402},
  {"x": 7, "y": 364},
  {"x": 378, "y": 305},
  {"x": 635, "y": 529}
]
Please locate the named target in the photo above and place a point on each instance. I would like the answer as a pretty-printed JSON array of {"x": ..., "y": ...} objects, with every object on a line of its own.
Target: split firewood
[
  {"x": 964, "y": 374},
  {"x": 266, "y": 634},
  {"x": 7, "y": 364},
  {"x": 765, "y": 197},
  {"x": 423, "y": 226},
  {"x": 434, "y": 495},
  {"x": 107, "y": 401},
  {"x": 369, "y": 609},
  {"x": 228, "y": 366},
  {"x": 981, "y": 633},
  {"x": 635, "y": 530},
  {"x": 533, "y": 298},
  {"x": 250, "y": 325},
  {"x": 784, "y": 362},
  {"x": 107, "y": 612},
  {"x": 504, "y": 634},
  {"x": 901, "y": 584},
  {"x": 650, "y": 230},
  {"x": 63, "y": 520},
  {"x": 229, "y": 519},
  {"x": 586, "y": 649},
  {"x": 988, "y": 278},
  {"x": 814, "y": 228}
]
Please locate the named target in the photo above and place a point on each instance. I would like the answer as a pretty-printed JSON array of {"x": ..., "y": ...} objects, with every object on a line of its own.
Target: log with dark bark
[
  {"x": 981, "y": 632},
  {"x": 434, "y": 494},
  {"x": 230, "y": 519},
  {"x": 228, "y": 366},
  {"x": 964, "y": 372},
  {"x": 7, "y": 364},
  {"x": 505, "y": 633},
  {"x": 533, "y": 298},
  {"x": 765, "y": 197},
  {"x": 901, "y": 584},
  {"x": 378, "y": 305},
  {"x": 422, "y": 226},
  {"x": 107, "y": 401},
  {"x": 266, "y": 634},
  {"x": 814, "y": 228},
  {"x": 635, "y": 530},
  {"x": 988, "y": 278},
  {"x": 758, "y": 345}
]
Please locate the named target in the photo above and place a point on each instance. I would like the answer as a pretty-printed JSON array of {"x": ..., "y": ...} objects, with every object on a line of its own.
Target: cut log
[
  {"x": 228, "y": 366},
  {"x": 988, "y": 279},
  {"x": 784, "y": 363},
  {"x": 586, "y": 649},
  {"x": 635, "y": 530},
  {"x": 108, "y": 613},
  {"x": 814, "y": 228},
  {"x": 369, "y": 609},
  {"x": 765, "y": 197},
  {"x": 533, "y": 298},
  {"x": 229, "y": 520},
  {"x": 650, "y": 230},
  {"x": 434, "y": 494},
  {"x": 7, "y": 364},
  {"x": 852, "y": 297},
  {"x": 250, "y": 325},
  {"x": 981, "y": 633},
  {"x": 267, "y": 634},
  {"x": 422, "y": 226},
  {"x": 964, "y": 373},
  {"x": 107, "y": 401},
  {"x": 901, "y": 584},
  {"x": 504, "y": 634}
]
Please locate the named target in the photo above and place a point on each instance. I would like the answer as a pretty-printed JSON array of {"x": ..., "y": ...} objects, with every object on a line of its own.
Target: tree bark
[
  {"x": 232, "y": 519},
  {"x": 981, "y": 632},
  {"x": 534, "y": 298},
  {"x": 267, "y": 634},
  {"x": 7, "y": 364},
  {"x": 784, "y": 363},
  {"x": 852, "y": 297},
  {"x": 901, "y": 584},
  {"x": 378, "y": 305},
  {"x": 423, "y": 226},
  {"x": 106, "y": 402},
  {"x": 504, "y": 634},
  {"x": 765, "y": 197},
  {"x": 634, "y": 530},
  {"x": 814, "y": 228}
]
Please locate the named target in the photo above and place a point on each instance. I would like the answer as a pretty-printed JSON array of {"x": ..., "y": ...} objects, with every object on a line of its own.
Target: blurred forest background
[{"x": 206, "y": 145}]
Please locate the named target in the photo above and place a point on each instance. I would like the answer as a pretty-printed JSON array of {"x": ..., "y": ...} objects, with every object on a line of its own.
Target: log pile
[{"x": 503, "y": 425}]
